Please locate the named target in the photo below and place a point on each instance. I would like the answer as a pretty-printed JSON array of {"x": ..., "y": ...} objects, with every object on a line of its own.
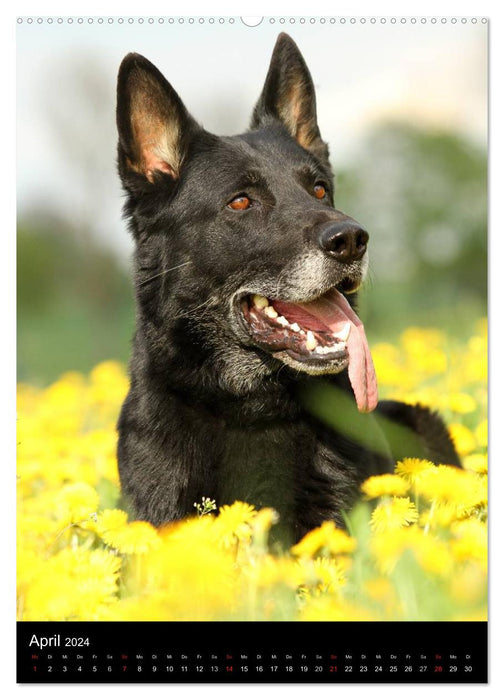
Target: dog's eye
[
  {"x": 319, "y": 190},
  {"x": 240, "y": 203}
]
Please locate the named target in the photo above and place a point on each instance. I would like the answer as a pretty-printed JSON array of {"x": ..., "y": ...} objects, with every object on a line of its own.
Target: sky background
[{"x": 429, "y": 74}]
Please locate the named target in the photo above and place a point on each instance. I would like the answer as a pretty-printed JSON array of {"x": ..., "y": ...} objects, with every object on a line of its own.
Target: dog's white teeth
[
  {"x": 329, "y": 349},
  {"x": 345, "y": 332},
  {"x": 260, "y": 301},
  {"x": 311, "y": 341},
  {"x": 295, "y": 327},
  {"x": 282, "y": 321},
  {"x": 270, "y": 312}
]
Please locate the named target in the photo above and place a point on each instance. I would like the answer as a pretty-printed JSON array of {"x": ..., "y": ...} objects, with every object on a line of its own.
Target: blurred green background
[{"x": 420, "y": 193}]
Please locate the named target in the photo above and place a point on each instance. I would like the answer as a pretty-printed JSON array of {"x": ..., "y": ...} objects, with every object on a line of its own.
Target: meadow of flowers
[{"x": 415, "y": 547}]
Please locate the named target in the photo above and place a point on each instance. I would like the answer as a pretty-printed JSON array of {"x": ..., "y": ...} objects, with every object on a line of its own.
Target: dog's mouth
[{"x": 320, "y": 336}]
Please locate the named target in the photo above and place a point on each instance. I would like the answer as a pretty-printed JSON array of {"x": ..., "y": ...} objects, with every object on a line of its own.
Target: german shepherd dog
[{"x": 246, "y": 278}]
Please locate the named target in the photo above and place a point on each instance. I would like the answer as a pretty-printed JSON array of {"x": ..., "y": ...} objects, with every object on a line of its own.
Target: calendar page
[{"x": 252, "y": 349}]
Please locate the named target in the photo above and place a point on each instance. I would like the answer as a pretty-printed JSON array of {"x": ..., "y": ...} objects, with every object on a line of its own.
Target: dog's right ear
[
  {"x": 289, "y": 96},
  {"x": 153, "y": 124}
]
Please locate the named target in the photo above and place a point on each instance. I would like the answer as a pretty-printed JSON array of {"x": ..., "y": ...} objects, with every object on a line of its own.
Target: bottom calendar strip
[{"x": 252, "y": 652}]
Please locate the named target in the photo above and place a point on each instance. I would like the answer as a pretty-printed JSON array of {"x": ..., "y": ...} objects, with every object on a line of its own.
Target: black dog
[{"x": 242, "y": 272}]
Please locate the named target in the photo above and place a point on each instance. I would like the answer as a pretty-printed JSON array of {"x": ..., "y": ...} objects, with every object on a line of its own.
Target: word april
[{"x": 42, "y": 642}]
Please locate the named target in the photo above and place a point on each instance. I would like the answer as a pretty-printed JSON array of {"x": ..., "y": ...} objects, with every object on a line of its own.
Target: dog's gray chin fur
[{"x": 328, "y": 367}]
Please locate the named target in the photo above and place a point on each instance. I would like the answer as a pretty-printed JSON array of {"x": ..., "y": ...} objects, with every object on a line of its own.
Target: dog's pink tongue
[{"x": 334, "y": 311}]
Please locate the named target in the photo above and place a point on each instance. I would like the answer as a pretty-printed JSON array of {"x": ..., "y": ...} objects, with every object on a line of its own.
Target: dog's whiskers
[
  {"x": 164, "y": 272},
  {"x": 195, "y": 308}
]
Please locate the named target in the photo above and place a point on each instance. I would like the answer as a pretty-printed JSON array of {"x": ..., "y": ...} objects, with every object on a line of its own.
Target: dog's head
[{"x": 242, "y": 261}]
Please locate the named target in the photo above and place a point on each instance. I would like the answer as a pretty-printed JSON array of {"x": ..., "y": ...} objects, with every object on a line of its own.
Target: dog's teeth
[
  {"x": 260, "y": 301},
  {"x": 311, "y": 341},
  {"x": 345, "y": 332},
  {"x": 270, "y": 312},
  {"x": 329, "y": 349},
  {"x": 282, "y": 321},
  {"x": 295, "y": 327}
]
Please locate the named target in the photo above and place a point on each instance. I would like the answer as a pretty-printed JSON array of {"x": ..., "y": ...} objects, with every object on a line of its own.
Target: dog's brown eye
[
  {"x": 240, "y": 203},
  {"x": 319, "y": 191}
]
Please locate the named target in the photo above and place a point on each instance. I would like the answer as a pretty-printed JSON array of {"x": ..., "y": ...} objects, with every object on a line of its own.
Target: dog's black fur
[{"x": 210, "y": 412}]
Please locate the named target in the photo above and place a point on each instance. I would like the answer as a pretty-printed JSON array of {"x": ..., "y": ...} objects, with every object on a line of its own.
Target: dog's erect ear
[
  {"x": 289, "y": 96},
  {"x": 153, "y": 123}
]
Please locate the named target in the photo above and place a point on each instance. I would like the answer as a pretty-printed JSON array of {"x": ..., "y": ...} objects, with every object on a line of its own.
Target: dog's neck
[{"x": 272, "y": 401}]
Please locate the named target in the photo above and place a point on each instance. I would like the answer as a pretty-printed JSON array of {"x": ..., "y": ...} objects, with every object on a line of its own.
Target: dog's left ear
[
  {"x": 153, "y": 124},
  {"x": 289, "y": 96}
]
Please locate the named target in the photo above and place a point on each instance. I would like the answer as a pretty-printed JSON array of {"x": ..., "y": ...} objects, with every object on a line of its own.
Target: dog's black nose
[{"x": 346, "y": 241}]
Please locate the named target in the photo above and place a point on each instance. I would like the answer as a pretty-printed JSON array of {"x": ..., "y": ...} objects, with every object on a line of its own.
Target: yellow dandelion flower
[
  {"x": 478, "y": 499},
  {"x": 109, "y": 470},
  {"x": 345, "y": 562},
  {"x": 411, "y": 468},
  {"x": 137, "y": 537},
  {"x": 327, "y": 538},
  {"x": 234, "y": 523},
  {"x": 64, "y": 394},
  {"x": 109, "y": 383},
  {"x": 387, "y": 363},
  {"x": 197, "y": 577},
  {"x": 432, "y": 554},
  {"x": 440, "y": 514},
  {"x": 392, "y": 514},
  {"x": 475, "y": 366},
  {"x": 32, "y": 525},
  {"x": 72, "y": 584},
  {"x": 108, "y": 372},
  {"x": 476, "y": 463},
  {"x": 470, "y": 541},
  {"x": 260, "y": 528},
  {"x": 75, "y": 502},
  {"x": 452, "y": 485},
  {"x": 462, "y": 403},
  {"x": 108, "y": 520},
  {"x": 264, "y": 520},
  {"x": 28, "y": 564},
  {"x": 463, "y": 438},
  {"x": 268, "y": 571},
  {"x": 424, "y": 348},
  {"x": 196, "y": 529},
  {"x": 324, "y": 574},
  {"x": 421, "y": 339},
  {"x": 481, "y": 433},
  {"x": 384, "y": 485},
  {"x": 98, "y": 443}
]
